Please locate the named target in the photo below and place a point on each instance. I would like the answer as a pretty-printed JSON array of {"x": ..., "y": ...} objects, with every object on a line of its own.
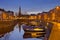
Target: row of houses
[
  {"x": 5, "y": 15},
  {"x": 52, "y": 15}
]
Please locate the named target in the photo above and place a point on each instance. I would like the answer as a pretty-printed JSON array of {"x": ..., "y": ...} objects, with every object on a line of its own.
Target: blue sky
[
  {"x": 29, "y": 5},
  {"x": 10, "y": 4}
]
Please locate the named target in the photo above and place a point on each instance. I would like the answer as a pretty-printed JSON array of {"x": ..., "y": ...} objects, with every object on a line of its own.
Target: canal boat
[{"x": 33, "y": 31}]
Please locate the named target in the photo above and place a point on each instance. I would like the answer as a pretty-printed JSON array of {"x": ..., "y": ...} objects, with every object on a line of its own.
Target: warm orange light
[
  {"x": 39, "y": 17},
  {"x": 37, "y": 29},
  {"x": 33, "y": 34},
  {"x": 4, "y": 15},
  {"x": 33, "y": 23},
  {"x": 45, "y": 16},
  {"x": 53, "y": 16},
  {"x": 47, "y": 23},
  {"x": 57, "y": 7},
  {"x": 58, "y": 24}
]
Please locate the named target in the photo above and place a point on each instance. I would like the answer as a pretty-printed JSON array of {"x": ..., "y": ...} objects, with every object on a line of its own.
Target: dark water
[{"x": 16, "y": 35}]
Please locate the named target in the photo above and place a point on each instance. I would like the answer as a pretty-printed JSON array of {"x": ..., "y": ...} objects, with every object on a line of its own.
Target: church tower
[{"x": 19, "y": 12}]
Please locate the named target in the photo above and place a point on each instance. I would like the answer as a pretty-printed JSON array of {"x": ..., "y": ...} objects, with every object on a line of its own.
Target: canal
[{"x": 17, "y": 34}]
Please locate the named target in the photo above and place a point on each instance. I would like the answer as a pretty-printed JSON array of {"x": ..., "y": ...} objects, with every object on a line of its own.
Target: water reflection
[{"x": 16, "y": 35}]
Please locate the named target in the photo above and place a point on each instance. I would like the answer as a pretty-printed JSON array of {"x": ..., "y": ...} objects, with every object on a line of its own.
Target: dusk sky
[{"x": 29, "y": 5}]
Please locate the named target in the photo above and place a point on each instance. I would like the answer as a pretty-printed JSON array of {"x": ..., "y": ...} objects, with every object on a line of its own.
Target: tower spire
[{"x": 19, "y": 10}]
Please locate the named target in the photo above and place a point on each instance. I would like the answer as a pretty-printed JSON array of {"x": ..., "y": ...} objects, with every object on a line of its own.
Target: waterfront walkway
[{"x": 55, "y": 33}]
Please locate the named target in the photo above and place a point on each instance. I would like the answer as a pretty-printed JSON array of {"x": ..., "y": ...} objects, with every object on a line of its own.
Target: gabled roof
[
  {"x": 2, "y": 9},
  {"x": 10, "y": 11}
]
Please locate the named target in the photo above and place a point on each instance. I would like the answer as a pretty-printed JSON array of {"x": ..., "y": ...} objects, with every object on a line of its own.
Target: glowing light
[
  {"x": 33, "y": 23},
  {"x": 27, "y": 29},
  {"x": 37, "y": 29},
  {"x": 4, "y": 15},
  {"x": 53, "y": 16},
  {"x": 57, "y": 7},
  {"x": 58, "y": 24},
  {"x": 47, "y": 23},
  {"x": 33, "y": 34}
]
